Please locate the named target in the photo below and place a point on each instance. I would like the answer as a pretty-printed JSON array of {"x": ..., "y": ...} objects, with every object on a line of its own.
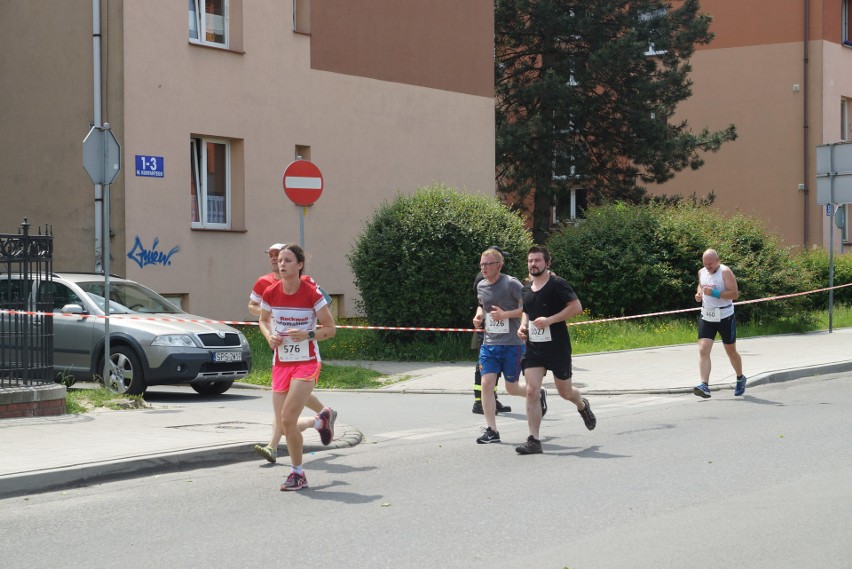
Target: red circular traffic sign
[{"x": 303, "y": 182}]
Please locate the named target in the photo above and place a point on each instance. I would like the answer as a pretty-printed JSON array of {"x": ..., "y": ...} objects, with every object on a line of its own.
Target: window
[
  {"x": 303, "y": 152},
  {"x": 563, "y": 163},
  {"x": 208, "y": 22},
  {"x": 60, "y": 294},
  {"x": 178, "y": 299},
  {"x": 570, "y": 212},
  {"x": 302, "y": 16},
  {"x": 846, "y": 30},
  {"x": 653, "y": 20},
  {"x": 210, "y": 187},
  {"x": 845, "y": 126}
]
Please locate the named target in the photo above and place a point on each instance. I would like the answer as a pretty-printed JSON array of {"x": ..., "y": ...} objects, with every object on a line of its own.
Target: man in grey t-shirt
[{"x": 498, "y": 312}]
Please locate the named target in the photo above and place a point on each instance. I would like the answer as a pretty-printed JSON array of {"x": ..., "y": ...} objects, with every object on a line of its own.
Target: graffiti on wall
[{"x": 144, "y": 257}]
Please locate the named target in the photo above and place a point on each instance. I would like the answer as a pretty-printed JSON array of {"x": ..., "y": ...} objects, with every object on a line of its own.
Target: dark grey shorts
[
  {"x": 726, "y": 328},
  {"x": 559, "y": 365}
]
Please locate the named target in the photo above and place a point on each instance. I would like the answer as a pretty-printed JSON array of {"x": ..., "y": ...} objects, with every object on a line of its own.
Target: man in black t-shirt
[{"x": 548, "y": 302}]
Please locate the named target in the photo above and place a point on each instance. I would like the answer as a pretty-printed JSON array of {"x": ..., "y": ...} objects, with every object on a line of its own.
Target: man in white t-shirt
[{"x": 717, "y": 289}]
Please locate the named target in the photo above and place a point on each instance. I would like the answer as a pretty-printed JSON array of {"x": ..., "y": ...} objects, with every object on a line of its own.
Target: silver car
[{"x": 152, "y": 342}]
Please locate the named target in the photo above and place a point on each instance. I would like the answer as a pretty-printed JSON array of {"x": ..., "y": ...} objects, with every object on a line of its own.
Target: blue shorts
[{"x": 501, "y": 359}]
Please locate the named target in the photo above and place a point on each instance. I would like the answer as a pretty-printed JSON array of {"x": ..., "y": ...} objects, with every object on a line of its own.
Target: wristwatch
[{"x": 311, "y": 335}]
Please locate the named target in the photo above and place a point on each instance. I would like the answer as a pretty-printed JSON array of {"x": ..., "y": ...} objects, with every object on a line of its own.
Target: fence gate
[{"x": 26, "y": 333}]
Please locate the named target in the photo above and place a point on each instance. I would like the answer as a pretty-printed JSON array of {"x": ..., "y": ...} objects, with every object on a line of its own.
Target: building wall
[
  {"x": 373, "y": 131},
  {"x": 46, "y": 91},
  {"x": 753, "y": 75},
  {"x": 407, "y": 48}
]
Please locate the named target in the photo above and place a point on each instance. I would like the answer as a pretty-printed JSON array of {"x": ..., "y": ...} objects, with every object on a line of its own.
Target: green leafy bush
[
  {"x": 415, "y": 260},
  {"x": 634, "y": 259},
  {"x": 615, "y": 261},
  {"x": 764, "y": 267},
  {"x": 816, "y": 263}
]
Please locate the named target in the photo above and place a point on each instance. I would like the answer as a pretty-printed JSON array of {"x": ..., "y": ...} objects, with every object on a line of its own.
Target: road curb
[
  {"x": 185, "y": 460},
  {"x": 764, "y": 378}
]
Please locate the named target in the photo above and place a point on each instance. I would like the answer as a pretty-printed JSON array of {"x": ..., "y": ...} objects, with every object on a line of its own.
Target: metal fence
[{"x": 26, "y": 338}]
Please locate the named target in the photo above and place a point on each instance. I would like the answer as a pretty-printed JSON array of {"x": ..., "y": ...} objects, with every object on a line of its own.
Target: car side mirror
[{"x": 72, "y": 309}]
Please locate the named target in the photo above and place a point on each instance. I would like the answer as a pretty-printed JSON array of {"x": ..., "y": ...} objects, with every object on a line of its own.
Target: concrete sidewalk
[
  {"x": 47, "y": 453},
  {"x": 669, "y": 369}
]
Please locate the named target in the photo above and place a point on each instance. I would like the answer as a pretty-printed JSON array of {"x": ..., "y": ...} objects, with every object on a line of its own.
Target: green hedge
[
  {"x": 415, "y": 260},
  {"x": 634, "y": 259},
  {"x": 816, "y": 263},
  {"x": 615, "y": 260}
]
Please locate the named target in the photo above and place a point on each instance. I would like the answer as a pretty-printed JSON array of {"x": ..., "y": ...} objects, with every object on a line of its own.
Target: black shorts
[
  {"x": 559, "y": 365},
  {"x": 726, "y": 328}
]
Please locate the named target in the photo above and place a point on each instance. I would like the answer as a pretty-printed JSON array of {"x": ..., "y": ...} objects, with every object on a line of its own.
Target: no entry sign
[{"x": 302, "y": 182}]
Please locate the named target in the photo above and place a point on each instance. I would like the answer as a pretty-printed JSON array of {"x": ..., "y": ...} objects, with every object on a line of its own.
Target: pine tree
[{"x": 586, "y": 91}]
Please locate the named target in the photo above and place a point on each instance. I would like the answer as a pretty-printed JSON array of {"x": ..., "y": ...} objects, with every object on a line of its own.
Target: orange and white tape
[{"x": 409, "y": 328}]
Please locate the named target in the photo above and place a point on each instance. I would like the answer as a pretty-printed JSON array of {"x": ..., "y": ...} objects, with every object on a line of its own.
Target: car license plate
[{"x": 227, "y": 356}]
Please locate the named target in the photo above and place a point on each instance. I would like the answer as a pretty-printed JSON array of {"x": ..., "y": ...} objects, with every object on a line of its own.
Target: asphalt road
[{"x": 664, "y": 481}]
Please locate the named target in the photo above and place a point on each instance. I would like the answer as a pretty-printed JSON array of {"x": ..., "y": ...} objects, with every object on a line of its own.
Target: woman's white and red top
[{"x": 298, "y": 310}]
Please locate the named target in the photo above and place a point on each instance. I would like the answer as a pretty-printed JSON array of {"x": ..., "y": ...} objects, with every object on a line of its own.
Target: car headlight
[
  {"x": 243, "y": 341},
  {"x": 174, "y": 341}
]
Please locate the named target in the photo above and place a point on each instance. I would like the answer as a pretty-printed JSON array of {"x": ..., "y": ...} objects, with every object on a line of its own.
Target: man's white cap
[{"x": 276, "y": 247}]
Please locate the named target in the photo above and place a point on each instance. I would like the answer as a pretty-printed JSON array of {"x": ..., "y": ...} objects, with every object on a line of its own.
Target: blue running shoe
[
  {"x": 741, "y": 385},
  {"x": 702, "y": 390}
]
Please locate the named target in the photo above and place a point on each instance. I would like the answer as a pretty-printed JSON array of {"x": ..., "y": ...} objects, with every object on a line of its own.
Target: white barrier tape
[{"x": 407, "y": 328}]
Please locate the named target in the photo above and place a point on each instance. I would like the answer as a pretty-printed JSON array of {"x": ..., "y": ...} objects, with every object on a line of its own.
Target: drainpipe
[
  {"x": 99, "y": 189},
  {"x": 805, "y": 149}
]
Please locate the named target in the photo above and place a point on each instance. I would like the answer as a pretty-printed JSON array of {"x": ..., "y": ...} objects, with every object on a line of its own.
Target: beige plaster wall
[
  {"x": 755, "y": 87},
  {"x": 371, "y": 139},
  {"x": 759, "y": 173}
]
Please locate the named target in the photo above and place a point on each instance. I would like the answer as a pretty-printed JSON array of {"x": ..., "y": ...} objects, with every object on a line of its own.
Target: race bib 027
[{"x": 537, "y": 334}]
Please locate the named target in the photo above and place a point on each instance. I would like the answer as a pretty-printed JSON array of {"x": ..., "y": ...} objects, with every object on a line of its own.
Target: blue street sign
[{"x": 150, "y": 166}]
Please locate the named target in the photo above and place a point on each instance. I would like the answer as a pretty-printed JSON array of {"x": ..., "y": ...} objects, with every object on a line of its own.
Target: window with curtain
[
  {"x": 208, "y": 22},
  {"x": 210, "y": 197}
]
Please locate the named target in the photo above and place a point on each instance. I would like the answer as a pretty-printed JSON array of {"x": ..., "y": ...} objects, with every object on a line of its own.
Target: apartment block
[
  {"x": 210, "y": 101},
  {"x": 781, "y": 70}
]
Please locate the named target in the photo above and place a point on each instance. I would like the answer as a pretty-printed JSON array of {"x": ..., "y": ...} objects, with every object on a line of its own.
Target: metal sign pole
[
  {"x": 831, "y": 271},
  {"x": 832, "y": 205},
  {"x": 105, "y": 248},
  {"x": 302, "y": 226}
]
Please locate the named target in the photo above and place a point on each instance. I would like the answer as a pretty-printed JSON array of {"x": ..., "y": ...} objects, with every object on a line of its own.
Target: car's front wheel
[
  {"x": 126, "y": 375},
  {"x": 212, "y": 387}
]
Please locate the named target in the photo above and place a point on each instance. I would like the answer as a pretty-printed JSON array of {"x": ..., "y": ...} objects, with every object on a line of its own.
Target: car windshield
[{"x": 127, "y": 298}]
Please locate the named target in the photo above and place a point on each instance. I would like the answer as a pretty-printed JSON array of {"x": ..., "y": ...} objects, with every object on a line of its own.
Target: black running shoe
[
  {"x": 503, "y": 408},
  {"x": 477, "y": 408},
  {"x": 532, "y": 446},
  {"x": 489, "y": 436},
  {"x": 543, "y": 397},
  {"x": 587, "y": 415}
]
